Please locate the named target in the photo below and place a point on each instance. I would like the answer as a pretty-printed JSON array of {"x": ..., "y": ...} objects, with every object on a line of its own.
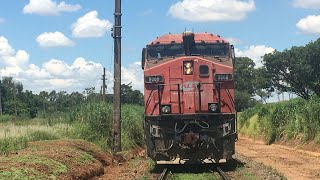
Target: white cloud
[
  {"x": 307, "y": 4},
  {"x": 5, "y": 48},
  {"x": 59, "y": 75},
  {"x": 211, "y": 10},
  {"x": 310, "y": 24},
  {"x": 53, "y": 39},
  {"x": 90, "y": 25},
  {"x": 9, "y": 57},
  {"x": 255, "y": 53},
  {"x": 49, "y": 7},
  {"x": 233, "y": 41},
  {"x": 133, "y": 74}
]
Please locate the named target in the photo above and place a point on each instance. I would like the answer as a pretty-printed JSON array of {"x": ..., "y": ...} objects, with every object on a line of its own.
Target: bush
[
  {"x": 6, "y": 118},
  {"x": 93, "y": 122},
  {"x": 297, "y": 118}
]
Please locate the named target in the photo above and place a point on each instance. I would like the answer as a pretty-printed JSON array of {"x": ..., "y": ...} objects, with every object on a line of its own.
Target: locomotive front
[{"x": 189, "y": 98}]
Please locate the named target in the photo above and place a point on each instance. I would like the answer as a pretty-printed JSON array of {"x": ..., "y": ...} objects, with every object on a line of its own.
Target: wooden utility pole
[
  {"x": 15, "y": 102},
  {"x": 117, "y": 78},
  {"x": 103, "y": 88},
  {"x": 0, "y": 100}
]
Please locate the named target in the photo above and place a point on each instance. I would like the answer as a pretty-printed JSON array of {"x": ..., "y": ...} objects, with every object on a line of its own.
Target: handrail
[
  {"x": 160, "y": 98},
  {"x": 199, "y": 93},
  {"x": 217, "y": 85},
  {"x": 179, "y": 100}
]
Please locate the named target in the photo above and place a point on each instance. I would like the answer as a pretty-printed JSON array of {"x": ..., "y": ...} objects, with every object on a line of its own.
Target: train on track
[{"x": 189, "y": 97}]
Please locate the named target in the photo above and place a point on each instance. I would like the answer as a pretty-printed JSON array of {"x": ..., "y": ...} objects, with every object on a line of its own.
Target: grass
[
  {"x": 244, "y": 174},
  {"x": 29, "y": 170},
  {"x": 15, "y": 137},
  {"x": 92, "y": 122},
  {"x": 56, "y": 159},
  {"x": 294, "y": 119},
  {"x": 203, "y": 176},
  {"x": 251, "y": 127}
]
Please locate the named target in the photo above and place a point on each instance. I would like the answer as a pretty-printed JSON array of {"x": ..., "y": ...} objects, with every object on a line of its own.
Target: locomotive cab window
[
  {"x": 203, "y": 71},
  {"x": 204, "y": 49},
  {"x": 160, "y": 52}
]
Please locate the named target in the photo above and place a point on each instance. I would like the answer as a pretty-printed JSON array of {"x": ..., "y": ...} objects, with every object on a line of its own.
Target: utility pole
[
  {"x": 0, "y": 100},
  {"x": 117, "y": 78},
  {"x": 103, "y": 88},
  {"x": 15, "y": 102}
]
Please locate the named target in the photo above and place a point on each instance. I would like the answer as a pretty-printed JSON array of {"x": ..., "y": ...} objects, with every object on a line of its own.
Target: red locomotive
[{"x": 189, "y": 97}]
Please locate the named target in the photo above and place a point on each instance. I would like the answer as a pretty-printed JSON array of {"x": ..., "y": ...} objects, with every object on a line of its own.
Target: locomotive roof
[{"x": 198, "y": 37}]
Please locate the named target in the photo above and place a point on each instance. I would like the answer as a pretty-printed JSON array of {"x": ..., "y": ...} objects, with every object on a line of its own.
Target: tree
[
  {"x": 244, "y": 77},
  {"x": 131, "y": 96},
  {"x": 263, "y": 84},
  {"x": 296, "y": 70}
]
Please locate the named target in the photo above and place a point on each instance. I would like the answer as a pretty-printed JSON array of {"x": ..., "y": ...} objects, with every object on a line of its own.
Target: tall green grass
[
  {"x": 92, "y": 122},
  {"x": 294, "y": 119}
]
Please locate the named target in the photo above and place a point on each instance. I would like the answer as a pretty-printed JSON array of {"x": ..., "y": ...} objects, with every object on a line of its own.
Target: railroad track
[
  {"x": 163, "y": 174},
  {"x": 222, "y": 173}
]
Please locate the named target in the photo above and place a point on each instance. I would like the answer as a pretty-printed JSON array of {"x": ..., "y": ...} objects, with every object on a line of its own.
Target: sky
[{"x": 64, "y": 45}]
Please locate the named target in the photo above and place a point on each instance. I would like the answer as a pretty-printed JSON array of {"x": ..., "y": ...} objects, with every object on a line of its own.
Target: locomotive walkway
[{"x": 292, "y": 163}]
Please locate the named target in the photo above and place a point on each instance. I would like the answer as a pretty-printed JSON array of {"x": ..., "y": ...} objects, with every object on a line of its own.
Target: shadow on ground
[{"x": 229, "y": 166}]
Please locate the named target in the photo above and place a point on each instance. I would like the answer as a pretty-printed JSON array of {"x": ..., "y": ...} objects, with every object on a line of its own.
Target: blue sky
[{"x": 63, "y": 45}]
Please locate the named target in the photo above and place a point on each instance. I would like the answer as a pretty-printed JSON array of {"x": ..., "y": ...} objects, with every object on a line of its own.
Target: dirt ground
[
  {"x": 127, "y": 165},
  {"x": 293, "y": 163}
]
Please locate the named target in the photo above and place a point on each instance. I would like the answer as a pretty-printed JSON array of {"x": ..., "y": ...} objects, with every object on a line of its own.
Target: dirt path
[{"x": 292, "y": 163}]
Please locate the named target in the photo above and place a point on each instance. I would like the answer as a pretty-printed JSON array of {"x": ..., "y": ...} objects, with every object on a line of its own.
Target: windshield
[
  {"x": 165, "y": 51},
  {"x": 210, "y": 49},
  {"x": 158, "y": 52}
]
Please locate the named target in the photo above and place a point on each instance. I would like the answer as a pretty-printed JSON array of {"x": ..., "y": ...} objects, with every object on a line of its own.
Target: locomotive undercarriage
[{"x": 190, "y": 137}]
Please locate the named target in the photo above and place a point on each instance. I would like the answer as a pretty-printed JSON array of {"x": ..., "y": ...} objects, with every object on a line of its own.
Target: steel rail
[
  {"x": 163, "y": 175},
  {"x": 222, "y": 174}
]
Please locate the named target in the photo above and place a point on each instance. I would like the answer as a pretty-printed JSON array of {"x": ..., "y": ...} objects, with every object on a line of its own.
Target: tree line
[
  {"x": 295, "y": 70},
  {"x": 15, "y": 101}
]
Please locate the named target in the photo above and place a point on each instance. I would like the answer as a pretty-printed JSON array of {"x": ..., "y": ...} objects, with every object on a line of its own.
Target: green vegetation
[
  {"x": 295, "y": 70},
  {"x": 58, "y": 159},
  {"x": 30, "y": 171},
  {"x": 203, "y": 176},
  {"x": 294, "y": 119},
  {"x": 90, "y": 121},
  {"x": 93, "y": 122},
  {"x": 244, "y": 174},
  {"x": 26, "y": 117}
]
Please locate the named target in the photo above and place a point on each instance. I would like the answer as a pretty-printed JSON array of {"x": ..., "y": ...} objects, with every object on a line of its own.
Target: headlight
[
  {"x": 166, "y": 109},
  {"x": 223, "y": 77},
  {"x": 213, "y": 107},
  {"x": 188, "y": 67}
]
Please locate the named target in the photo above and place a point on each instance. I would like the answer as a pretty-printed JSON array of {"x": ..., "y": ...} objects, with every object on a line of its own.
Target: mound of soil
[{"x": 58, "y": 159}]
